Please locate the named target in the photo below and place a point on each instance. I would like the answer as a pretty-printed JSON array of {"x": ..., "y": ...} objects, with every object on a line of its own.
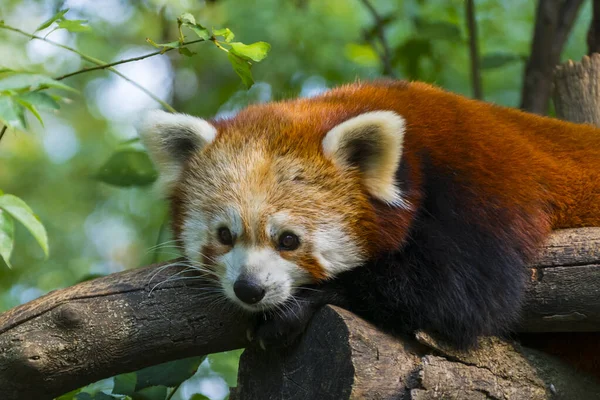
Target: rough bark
[
  {"x": 553, "y": 24},
  {"x": 577, "y": 90},
  {"x": 564, "y": 292},
  {"x": 343, "y": 357},
  {"x": 77, "y": 335},
  {"x": 100, "y": 328}
]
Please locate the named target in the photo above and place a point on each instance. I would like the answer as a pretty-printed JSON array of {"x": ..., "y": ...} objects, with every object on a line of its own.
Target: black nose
[{"x": 248, "y": 291}]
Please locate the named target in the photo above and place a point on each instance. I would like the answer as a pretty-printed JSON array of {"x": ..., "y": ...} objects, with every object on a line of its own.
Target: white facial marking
[
  {"x": 275, "y": 274},
  {"x": 281, "y": 222},
  {"x": 335, "y": 250},
  {"x": 195, "y": 234}
]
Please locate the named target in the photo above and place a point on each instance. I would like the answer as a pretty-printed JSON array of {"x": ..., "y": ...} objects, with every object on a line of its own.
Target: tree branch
[
  {"x": 127, "y": 60},
  {"x": 474, "y": 49},
  {"x": 93, "y": 60},
  {"x": 385, "y": 54},
  {"x": 349, "y": 358},
  {"x": 122, "y": 322}
]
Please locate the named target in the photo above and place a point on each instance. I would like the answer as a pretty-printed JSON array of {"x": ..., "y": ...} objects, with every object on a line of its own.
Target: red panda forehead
[{"x": 256, "y": 179}]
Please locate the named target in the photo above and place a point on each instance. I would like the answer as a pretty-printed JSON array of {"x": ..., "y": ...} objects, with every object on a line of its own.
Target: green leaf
[
  {"x": 31, "y": 82},
  {"x": 74, "y": 25},
  {"x": 151, "y": 393},
  {"x": 255, "y": 51},
  {"x": 187, "y": 18},
  {"x": 31, "y": 108},
  {"x": 20, "y": 211},
  {"x": 497, "y": 60},
  {"x": 69, "y": 396},
  {"x": 436, "y": 30},
  {"x": 410, "y": 53},
  {"x": 362, "y": 54},
  {"x": 189, "y": 21},
  {"x": 11, "y": 113},
  {"x": 164, "y": 46},
  {"x": 49, "y": 22},
  {"x": 186, "y": 52},
  {"x": 125, "y": 384},
  {"x": 225, "y": 32},
  {"x": 200, "y": 31},
  {"x": 199, "y": 396},
  {"x": 7, "y": 236},
  {"x": 40, "y": 99},
  {"x": 226, "y": 364},
  {"x": 169, "y": 374},
  {"x": 128, "y": 167},
  {"x": 242, "y": 68}
]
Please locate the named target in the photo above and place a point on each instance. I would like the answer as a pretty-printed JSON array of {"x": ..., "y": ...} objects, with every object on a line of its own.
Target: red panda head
[{"x": 269, "y": 201}]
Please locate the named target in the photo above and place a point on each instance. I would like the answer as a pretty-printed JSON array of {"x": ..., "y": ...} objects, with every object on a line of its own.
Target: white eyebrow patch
[
  {"x": 230, "y": 219},
  {"x": 282, "y": 221}
]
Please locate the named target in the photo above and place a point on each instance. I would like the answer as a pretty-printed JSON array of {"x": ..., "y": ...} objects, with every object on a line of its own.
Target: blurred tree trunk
[{"x": 554, "y": 21}]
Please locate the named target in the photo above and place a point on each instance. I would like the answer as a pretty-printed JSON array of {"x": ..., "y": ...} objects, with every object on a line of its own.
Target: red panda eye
[
  {"x": 288, "y": 241},
  {"x": 225, "y": 236}
]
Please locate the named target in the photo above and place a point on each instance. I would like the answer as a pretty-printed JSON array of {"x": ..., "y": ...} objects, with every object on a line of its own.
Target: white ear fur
[
  {"x": 372, "y": 142},
  {"x": 170, "y": 139}
]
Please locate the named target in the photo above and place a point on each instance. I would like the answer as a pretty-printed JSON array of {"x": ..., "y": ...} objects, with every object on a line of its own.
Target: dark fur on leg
[{"x": 281, "y": 327}]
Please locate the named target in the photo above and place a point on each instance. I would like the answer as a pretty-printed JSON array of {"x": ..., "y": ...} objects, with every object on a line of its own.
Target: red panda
[{"x": 409, "y": 205}]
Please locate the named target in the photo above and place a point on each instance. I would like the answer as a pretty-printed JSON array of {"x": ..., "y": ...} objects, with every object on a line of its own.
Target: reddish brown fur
[
  {"x": 521, "y": 159},
  {"x": 526, "y": 163}
]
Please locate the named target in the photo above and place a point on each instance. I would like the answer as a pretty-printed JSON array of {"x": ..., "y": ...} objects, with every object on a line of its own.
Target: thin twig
[
  {"x": 127, "y": 60},
  {"x": 385, "y": 55},
  {"x": 4, "y": 128},
  {"x": 474, "y": 49},
  {"x": 93, "y": 60}
]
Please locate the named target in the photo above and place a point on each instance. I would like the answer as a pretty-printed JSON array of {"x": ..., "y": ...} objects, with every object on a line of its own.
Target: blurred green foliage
[{"x": 97, "y": 222}]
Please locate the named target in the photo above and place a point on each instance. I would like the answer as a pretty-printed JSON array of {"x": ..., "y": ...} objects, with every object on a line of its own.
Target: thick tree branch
[
  {"x": 343, "y": 357},
  {"x": 122, "y": 322},
  {"x": 554, "y": 20}
]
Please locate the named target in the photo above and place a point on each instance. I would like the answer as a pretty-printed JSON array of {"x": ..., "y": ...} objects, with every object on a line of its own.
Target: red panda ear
[
  {"x": 170, "y": 139},
  {"x": 371, "y": 142}
]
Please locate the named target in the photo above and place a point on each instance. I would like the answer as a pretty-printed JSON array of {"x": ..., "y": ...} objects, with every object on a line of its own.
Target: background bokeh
[{"x": 97, "y": 229}]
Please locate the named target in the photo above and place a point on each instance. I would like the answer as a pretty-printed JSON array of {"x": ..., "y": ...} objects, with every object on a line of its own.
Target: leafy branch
[
  {"x": 21, "y": 90},
  {"x": 240, "y": 55},
  {"x": 124, "y": 61},
  {"x": 91, "y": 59}
]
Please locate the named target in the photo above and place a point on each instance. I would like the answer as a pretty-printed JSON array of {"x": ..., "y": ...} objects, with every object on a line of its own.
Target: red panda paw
[{"x": 283, "y": 327}]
